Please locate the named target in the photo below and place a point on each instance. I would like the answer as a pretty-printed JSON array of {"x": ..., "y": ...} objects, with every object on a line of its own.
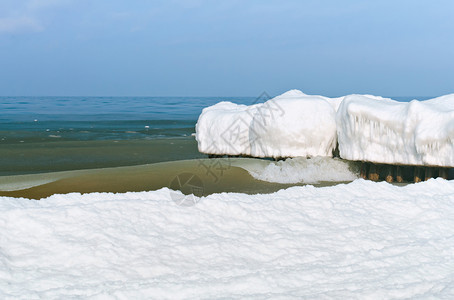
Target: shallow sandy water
[{"x": 212, "y": 176}]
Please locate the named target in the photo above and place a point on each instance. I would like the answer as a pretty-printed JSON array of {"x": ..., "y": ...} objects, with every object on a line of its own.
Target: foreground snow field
[{"x": 355, "y": 240}]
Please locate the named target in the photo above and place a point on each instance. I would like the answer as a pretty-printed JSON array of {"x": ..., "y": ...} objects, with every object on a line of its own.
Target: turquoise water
[
  {"x": 38, "y": 119},
  {"x": 107, "y": 108}
]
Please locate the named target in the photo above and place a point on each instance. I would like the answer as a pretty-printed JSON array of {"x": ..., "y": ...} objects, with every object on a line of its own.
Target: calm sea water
[{"x": 29, "y": 119}]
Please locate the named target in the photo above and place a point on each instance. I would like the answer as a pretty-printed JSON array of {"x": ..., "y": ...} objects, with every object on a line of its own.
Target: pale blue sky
[{"x": 225, "y": 48}]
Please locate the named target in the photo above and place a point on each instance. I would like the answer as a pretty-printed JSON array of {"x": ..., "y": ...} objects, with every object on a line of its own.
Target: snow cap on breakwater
[
  {"x": 366, "y": 128},
  {"x": 290, "y": 125}
]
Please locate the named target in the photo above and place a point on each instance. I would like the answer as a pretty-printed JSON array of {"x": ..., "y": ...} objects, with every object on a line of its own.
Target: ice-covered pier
[{"x": 394, "y": 140}]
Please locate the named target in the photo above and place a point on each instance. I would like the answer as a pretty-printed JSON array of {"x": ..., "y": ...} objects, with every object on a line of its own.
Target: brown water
[
  {"x": 37, "y": 170},
  {"x": 215, "y": 175}
]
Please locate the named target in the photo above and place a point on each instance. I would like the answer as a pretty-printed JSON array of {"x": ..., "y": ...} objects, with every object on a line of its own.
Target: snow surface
[
  {"x": 302, "y": 170},
  {"x": 367, "y": 128},
  {"x": 292, "y": 124},
  {"x": 224, "y": 129},
  {"x": 388, "y": 131},
  {"x": 359, "y": 240}
]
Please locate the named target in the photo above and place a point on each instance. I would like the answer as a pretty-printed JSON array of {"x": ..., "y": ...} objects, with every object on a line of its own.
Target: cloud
[
  {"x": 24, "y": 17},
  {"x": 39, "y": 4},
  {"x": 19, "y": 24}
]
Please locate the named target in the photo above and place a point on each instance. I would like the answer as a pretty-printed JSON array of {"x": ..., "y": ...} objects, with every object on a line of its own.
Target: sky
[{"x": 225, "y": 48}]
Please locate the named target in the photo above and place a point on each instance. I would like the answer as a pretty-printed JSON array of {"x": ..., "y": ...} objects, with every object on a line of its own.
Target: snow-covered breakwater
[
  {"x": 366, "y": 128},
  {"x": 290, "y": 125},
  {"x": 392, "y": 132}
]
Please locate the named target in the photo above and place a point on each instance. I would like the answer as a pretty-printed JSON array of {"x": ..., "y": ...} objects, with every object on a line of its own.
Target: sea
[
  {"x": 47, "y": 134},
  {"x": 33, "y": 119}
]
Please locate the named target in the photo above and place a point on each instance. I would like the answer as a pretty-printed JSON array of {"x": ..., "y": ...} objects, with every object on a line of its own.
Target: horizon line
[{"x": 190, "y": 96}]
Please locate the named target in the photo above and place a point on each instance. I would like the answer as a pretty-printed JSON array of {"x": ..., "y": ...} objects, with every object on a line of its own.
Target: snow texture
[
  {"x": 367, "y": 128},
  {"x": 388, "y": 131},
  {"x": 359, "y": 240},
  {"x": 294, "y": 124},
  {"x": 289, "y": 125},
  {"x": 224, "y": 129}
]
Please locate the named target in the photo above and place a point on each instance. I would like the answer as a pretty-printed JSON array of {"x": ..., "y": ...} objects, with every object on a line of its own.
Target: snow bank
[
  {"x": 302, "y": 170},
  {"x": 387, "y": 131},
  {"x": 289, "y": 125},
  {"x": 360, "y": 240}
]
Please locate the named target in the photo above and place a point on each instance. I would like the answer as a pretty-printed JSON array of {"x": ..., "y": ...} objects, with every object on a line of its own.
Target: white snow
[
  {"x": 301, "y": 170},
  {"x": 292, "y": 124},
  {"x": 388, "y": 131},
  {"x": 367, "y": 128},
  {"x": 359, "y": 240},
  {"x": 224, "y": 129}
]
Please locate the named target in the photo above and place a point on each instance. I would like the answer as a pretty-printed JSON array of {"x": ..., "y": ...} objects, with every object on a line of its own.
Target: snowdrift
[
  {"x": 350, "y": 241},
  {"x": 386, "y": 131},
  {"x": 367, "y": 128},
  {"x": 292, "y": 124}
]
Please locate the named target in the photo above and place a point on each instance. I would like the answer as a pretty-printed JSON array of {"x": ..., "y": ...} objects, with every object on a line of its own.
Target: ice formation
[
  {"x": 289, "y": 125},
  {"x": 387, "y": 131},
  {"x": 301, "y": 170},
  {"x": 350, "y": 241},
  {"x": 367, "y": 128}
]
